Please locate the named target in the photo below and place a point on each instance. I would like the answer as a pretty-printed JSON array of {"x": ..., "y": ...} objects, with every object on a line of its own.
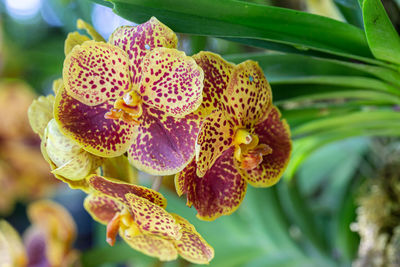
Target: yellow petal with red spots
[
  {"x": 171, "y": 82},
  {"x": 120, "y": 169},
  {"x": 139, "y": 40},
  {"x": 191, "y": 246},
  {"x": 248, "y": 95},
  {"x": 82, "y": 25},
  {"x": 71, "y": 160},
  {"x": 95, "y": 72},
  {"x": 40, "y": 112},
  {"x": 275, "y": 133},
  {"x": 219, "y": 192},
  {"x": 217, "y": 73},
  {"x": 12, "y": 251},
  {"x": 152, "y": 246},
  {"x": 101, "y": 207},
  {"x": 152, "y": 219},
  {"x": 118, "y": 190},
  {"x": 163, "y": 144},
  {"x": 87, "y": 126},
  {"x": 74, "y": 39},
  {"x": 214, "y": 138}
]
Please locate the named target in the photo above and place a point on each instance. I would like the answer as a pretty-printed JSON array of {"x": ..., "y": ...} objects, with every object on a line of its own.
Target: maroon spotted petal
[
  {"x": 275, "y": 133},
  {"x": 101, "y": 207},
  {"x": 118, "y": 190},
  {"x": 87, "y": 126},
  {"x": 219, "y": 192},
  {"x": 163, "y": 144}
]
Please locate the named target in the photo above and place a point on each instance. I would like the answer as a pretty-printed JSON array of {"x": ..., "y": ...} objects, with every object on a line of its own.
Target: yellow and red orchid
[
  {"x": 138, "y": 215},
  {"x": 134, "y": 94},
  {"x": 47, "y": 242},
  {"x": 242, "y": 139}
]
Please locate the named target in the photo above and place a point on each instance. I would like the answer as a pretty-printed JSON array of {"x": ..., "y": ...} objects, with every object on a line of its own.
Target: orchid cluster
[{"x": 138, "y": 101}]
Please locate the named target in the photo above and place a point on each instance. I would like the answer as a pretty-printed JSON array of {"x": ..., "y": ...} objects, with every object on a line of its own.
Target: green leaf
[
  {"x": 278, "y": 65},
  {"x": 238, "y": 19},
  {"x": 352, "y": 82},
  {"x": 382, "y": 37},
  {"x": 351, "y": 11},
  {"x": 303, "y": 147},
  {"x": 357, "y": 120},
  {"x": 363, "y": 97}
]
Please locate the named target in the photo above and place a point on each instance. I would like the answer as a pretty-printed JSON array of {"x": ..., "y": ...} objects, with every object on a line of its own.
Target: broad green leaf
[
  {"x": 303, "y": 147},
  {"x": 248, "y": 20},
  {"x": 358, "y": 120},
  {"x": 352, "y": 82},
  {"x": 301, "y": 115},
  {"x": 363, "y": 96},
  {"x": 278, "y": 65},
  {"x": 351, "y": 10},
  {"x": 288, "y": 91},
  {"x": 382, "y": 37}
]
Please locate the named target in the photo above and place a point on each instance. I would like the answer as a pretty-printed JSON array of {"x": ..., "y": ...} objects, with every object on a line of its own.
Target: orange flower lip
[
  {"x": 128, "y": 109},
  {"x": 248, "y": 151}
]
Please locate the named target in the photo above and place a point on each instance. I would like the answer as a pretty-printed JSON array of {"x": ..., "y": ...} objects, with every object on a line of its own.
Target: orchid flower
[
  {"x": 242, "y": 139},
  {"x": 134, "y": 94},
  {"x": 138, "y": 215}
]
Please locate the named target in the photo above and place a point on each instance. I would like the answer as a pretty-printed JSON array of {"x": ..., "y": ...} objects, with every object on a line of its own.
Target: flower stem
[{"x": 157, "y": 183}]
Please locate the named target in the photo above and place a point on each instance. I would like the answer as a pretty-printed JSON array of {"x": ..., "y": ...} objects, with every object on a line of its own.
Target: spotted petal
[
  {"x": 101, "y": 207},
  {"x": 40, "y": 112},
  {"x": 152, "y": 246},
  {"x": 171, "y": 82},
  {"x": 163, "y": 144},
  {"x": 191, "y": 246},
  {"x": 118, "y": 190},
  {"x": 214, "y": 138},
  {"x": 217, "y": 72},
  {"x": 248, "y": 95},
  {"x": 219, "y": 192},
  {"x": 153, "y": 219},
  {"x": 88, "y": 127},
  {"x": 139, "y": 40},
  {"x": 95, "y": 72},
  {"x": 276, "y": 134}
]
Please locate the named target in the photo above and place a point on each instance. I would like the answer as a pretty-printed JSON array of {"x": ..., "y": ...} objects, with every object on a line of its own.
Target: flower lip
[
  {"x": 128, "y": 108},
  {"x": 248, "y": 151},
  {"x": 242, "y": 136}
]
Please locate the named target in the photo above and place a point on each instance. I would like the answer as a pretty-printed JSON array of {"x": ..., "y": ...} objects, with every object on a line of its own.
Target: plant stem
[{"x": 157, "y": 183}]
